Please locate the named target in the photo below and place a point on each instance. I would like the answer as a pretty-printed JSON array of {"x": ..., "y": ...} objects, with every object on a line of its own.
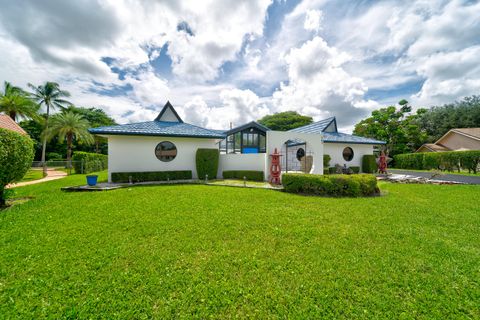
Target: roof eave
[{"x": 146, "y": 134}]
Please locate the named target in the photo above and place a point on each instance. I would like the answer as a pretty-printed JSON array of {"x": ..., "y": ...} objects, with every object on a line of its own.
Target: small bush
[
  {"x": 331, "y": 185},
  {"x": 89, "y": 162},
  {"x": 332, "y": 170},
  {"x": 124, "y": 177},
  {"x": 53, "y": 156},
  {"x": 207, "y": 163},
  {"x": 355, "y": 169},
  {"x": 326, "y": 160},
  {"x": 16, "y": 155},
  {"x": 369, "y": 163},
  {"x": 239, "y": 174},
  {"x": 326, "y": 171}
]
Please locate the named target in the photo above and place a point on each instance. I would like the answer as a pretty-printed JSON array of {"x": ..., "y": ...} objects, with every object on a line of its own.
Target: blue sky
[{"x": 236, "y": 61}]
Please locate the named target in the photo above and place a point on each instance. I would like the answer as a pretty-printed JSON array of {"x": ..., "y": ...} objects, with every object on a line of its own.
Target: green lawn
[
  {"x": 195, "y": 251},
  {"x": 462, "y": 173},
  {"x": 32, "y": 174}
]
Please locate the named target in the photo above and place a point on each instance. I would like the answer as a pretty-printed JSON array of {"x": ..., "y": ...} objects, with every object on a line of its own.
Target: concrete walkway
[
  {"x": 52, "y": 174},
  {"x": 443, "y": 177}
]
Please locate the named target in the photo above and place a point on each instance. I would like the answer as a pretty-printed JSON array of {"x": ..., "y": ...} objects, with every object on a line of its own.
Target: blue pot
[{"x": 92, "y": 180}]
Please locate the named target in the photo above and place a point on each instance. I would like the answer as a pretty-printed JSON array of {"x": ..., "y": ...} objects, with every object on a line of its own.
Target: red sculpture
[
  {"x": 275, "y": 169},
  {"x": 382, "y": 163}
]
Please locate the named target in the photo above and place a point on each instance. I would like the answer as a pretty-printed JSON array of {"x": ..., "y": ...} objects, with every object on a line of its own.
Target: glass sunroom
[{"x": 249, "y": 138}]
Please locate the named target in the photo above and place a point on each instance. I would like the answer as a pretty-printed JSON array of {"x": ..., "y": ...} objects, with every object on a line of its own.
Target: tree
[
  {"x": 97, "y": 118},
  {"x": 440, "y": 119},
  {"x": 285, "y": 121},
  {"x": 16, "y": 155},
  {"x": 16, "y": 102},
  {"x": 398, "y": 128},
  {"x": 51, "y": 96},
  {"x": 69, "y": 126}
]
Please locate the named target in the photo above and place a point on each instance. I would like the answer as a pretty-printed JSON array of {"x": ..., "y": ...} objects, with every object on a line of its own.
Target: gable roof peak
[{"x": 168, "y": 114}]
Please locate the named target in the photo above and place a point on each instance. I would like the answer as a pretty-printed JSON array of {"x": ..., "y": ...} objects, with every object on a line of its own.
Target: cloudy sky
[{"x": 222, "y": 61}]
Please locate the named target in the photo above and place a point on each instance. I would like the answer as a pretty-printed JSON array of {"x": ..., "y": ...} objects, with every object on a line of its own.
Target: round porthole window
[
  {"x": 300, "y": 154},
  {"x": 165, "y": 151},
  {"x": 348, "y": 154}
]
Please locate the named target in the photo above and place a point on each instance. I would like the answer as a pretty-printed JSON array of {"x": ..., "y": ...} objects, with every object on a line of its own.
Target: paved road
[{"x": 443, "y": 177}]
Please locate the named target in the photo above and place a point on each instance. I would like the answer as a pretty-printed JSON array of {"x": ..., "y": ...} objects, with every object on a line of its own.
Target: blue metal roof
[
  {"x": 159, "y": 128},
  {"x": 338, "y": 137},
  {"x": 334, "y": 137},
  {"x": 316, "y": 127}
]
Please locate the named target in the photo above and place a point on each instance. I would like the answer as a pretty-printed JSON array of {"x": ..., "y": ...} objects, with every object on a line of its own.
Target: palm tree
[
  {"x": 51, "y": 96},
  {"x": 69, "y": 126},
  {"x": 16, "y": 102}
]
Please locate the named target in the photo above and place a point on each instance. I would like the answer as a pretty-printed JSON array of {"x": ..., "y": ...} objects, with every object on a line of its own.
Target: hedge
[
  {"x": 16, "y": 155},
  {"x": 326, "y": 160},
  {"x": 86, "y": 162},
  {"x": 369, "y": 163},
  {"x": 331, "y": 185},
  {"x": 123, "y": 177},
  {"x": 239, "y": 174},
  {"x": 451, "y": 160},
  {"x": 355, "y": 169},
  {"x": 207, "y": 163}
]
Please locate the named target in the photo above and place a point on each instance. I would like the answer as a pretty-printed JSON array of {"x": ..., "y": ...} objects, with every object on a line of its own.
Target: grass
[
  {"x": 194, "y": 251},
  {"x": 462, "y": 173},
  {"x": 32, "y": 174},
  {"x": 241, "y": 183}
]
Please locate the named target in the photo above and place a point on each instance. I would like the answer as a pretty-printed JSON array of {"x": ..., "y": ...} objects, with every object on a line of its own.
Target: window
[
  {"x": 348, "y": 154},
  {"x": 300, "y": 154},
  {"x": 166, "y": 151}
]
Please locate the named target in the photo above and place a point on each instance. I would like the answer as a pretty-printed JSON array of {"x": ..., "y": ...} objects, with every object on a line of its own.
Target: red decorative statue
[
  {"x": 382, "y": 163},
  {"x": 275, "y": 169}
]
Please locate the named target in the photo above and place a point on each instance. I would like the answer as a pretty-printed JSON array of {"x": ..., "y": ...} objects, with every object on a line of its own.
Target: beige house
[{"x": 455, "y": 140}]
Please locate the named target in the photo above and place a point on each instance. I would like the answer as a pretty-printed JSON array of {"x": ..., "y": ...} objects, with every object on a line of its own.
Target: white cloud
[
  {"x": 318, "y": 85},
  {"x": 313, "y": 20}
]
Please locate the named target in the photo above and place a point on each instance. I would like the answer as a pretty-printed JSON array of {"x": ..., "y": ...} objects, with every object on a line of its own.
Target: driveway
[
  {"x": 442, "y": 177},
  {"x": 52, "y": 174}
]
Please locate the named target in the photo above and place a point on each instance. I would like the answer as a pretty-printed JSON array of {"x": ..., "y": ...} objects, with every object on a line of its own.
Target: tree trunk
[
  {"x": 2, "y": 195},
  {"x": 69, "y": 150},
  {"x": 13, "y": 115},
  {"x": 44, "y": 146}
]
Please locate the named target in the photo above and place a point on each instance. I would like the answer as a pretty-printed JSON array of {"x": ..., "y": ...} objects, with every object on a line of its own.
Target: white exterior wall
[
  {"x": 335, "y": 151},
  {"x": 277, "y": 139},
  {"x": 137, "y": 154},
  {"x": 241, "y": 161}
]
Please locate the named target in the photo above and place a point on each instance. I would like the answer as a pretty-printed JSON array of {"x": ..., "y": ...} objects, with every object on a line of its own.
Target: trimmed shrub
[
  {"x": 355, "y": 169},
  {"x": 326, "y": 160},
  {"x": 450, "y": 161},
  {"x": 326, "y": 171},
  {"x": 207, "y": 163},
  {"x": 16, "y": 156},
  {"x": 332, "y": 170},
  {"x": 369, "y": 164},
  {"x": 54, "y": 156},
  {"x": 239, "y": 174},
  {"x": 89, "y": 162},
  {"x": 124, "y": 177},
  {"x": 331, "y": 185}
]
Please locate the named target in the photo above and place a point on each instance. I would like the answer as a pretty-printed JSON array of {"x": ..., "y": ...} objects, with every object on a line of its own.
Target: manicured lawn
[
  {"x": 194, "y": 251},
  {"x": 462, "y": 173},
  {"x": 32, "y": 174}
]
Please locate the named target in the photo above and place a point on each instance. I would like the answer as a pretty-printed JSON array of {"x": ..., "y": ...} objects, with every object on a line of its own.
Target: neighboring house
[
  {"x": 7, "y": 123},
  {"x": 455, "y": 140},
  {"x": 169, "y": 144}
]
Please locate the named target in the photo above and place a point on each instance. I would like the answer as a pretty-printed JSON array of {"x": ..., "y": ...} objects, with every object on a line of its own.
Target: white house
[{"x": 169, "y": 144}]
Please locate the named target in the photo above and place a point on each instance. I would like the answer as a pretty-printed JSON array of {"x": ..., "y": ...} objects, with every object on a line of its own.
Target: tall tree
[
  {"x": 284, "y": 121},
  {"x": 50, "y": 95},
  {"x": 97, "y": 118},
  {"x": 16, "y": 102},
  {"x": 69, "y": 126},
  {"x": 397, "y": 127}
]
